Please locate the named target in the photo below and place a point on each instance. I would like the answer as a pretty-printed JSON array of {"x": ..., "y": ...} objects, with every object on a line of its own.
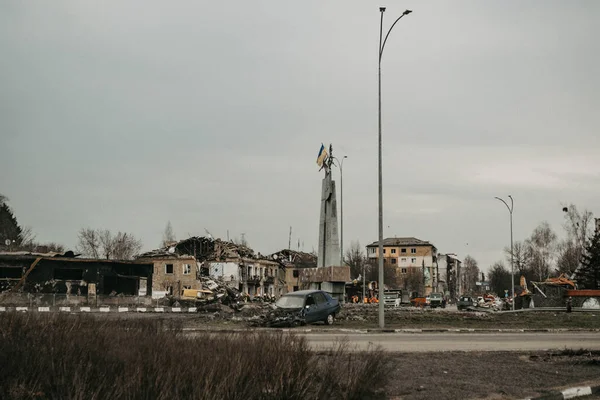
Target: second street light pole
[
  {"x": 380, "y": 286},
  {"x": 512, "y": 262}
]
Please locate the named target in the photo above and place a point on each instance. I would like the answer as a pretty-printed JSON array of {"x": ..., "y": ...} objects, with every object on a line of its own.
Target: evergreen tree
[
  {"x": 9, "y": 228},
  {"x": 588, "y": 275}
]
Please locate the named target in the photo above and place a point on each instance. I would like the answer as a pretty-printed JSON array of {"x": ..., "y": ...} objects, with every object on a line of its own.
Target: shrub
[{"x": 60, "y": 356}]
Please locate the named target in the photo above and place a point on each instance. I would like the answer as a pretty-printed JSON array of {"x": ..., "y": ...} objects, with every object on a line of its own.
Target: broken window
[
  {"x": 403, "y": 259},
  {"x": 295, "y": 273},
  {"x": 10, "y": 273},
  {"x": 170, "y": 290},
  {"x": 393, "y": 251},
  {"x": 413, "y": 260},
  {"x": 168, "y": 268},
  {"x": 320, "y": 298},
  {"x": 394, "y": 260},
  {"x": 402, "y": 250},
  {"x": 384, "y": 250},
  {"x": 187, "y": 269},
  {"x": 403, "y": 270},
  {"x": 68, "y": 274}
]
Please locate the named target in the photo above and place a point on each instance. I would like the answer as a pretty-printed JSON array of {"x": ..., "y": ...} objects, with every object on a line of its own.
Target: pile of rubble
[{"x": 215, "y": 294}]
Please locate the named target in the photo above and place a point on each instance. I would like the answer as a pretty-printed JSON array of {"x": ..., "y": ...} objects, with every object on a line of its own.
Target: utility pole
[
  {"x": 290, "y": 240},
  {"x": 512, "y": 261},
  {"x": 380, "y": 286}
]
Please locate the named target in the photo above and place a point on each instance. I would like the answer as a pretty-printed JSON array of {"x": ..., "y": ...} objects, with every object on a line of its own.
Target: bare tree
[
  {"x": 470, "y": 274},
  {"x": 88, "y": 243},
  {"x": 98, "y": 243},
  {"x": 569, "y": 257},
  {"x": 125, "y": 246},
  {"x": 521, "y": 257},
  {"x": 543, "y": 250},
  {"x": 578, "y": 226},
  {"x": 412, "y": 280},
  {"x": 168, "y": 235},
  {"x": 355, "y": 259}
]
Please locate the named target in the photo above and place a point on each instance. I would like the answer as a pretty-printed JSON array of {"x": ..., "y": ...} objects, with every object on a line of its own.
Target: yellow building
[{"x": 407, "y": 255}]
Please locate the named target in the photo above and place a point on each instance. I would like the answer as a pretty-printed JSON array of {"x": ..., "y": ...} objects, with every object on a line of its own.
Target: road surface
[{"x": 426, "y": 342}]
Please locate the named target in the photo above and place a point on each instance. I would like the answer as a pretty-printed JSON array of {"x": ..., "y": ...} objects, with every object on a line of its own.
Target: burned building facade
[{"x": 47, "y": 273}]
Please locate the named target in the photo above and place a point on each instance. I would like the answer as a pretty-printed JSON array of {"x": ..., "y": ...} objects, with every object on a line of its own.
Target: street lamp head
[
  {"x": 345, "y": 156},
  {"x": 382, "y": 9},
  {"x": 406, "y": 12},
  {"x": 565, "y": 209}
]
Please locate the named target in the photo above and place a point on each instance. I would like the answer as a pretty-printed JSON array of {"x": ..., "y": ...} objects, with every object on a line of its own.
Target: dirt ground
[
  {"x": 496, "y": 375},
  {"x": 366, "y": 316}
]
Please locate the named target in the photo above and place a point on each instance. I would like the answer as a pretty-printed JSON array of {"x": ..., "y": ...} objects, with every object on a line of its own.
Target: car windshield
[
  {"x": 436, "y": 296},
  {"x": 466, "y": 299},
  {"x": 290, "y": 302}
]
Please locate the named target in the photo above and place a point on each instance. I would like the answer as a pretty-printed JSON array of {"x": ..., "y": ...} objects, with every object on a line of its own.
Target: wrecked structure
[
  {"x": 66, "y": 274},
  {"x": 186, "y": 263},
  {"x": 301, "y": 272},
  {"x": 553, "y": 292}
]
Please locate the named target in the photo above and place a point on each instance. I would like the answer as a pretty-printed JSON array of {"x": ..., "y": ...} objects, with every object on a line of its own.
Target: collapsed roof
[
  {"x": 294, "y": 258},
  {"x": 203, "y": 249}
]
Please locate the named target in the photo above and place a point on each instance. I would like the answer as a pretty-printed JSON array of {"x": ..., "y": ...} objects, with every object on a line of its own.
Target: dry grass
[{"x": 50, "y": 356}]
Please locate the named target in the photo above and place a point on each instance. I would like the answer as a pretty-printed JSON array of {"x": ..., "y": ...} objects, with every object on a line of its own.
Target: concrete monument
[{"x": 329, "y": 245}]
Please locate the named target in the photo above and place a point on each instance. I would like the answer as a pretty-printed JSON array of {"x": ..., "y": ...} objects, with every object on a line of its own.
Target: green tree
[
  {"x": 500, "y": 279},
  {"x": 588, "y": 274},
  {"x": 9, "y": 227}
]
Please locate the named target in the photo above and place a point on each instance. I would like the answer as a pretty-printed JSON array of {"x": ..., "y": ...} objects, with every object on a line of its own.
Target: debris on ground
[
  {"x": 217, "y": 292},
  {"x": 278, "y": 318}
]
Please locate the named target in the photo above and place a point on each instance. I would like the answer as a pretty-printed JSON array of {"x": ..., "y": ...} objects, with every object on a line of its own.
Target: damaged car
[{"x": 303, "y": 307}]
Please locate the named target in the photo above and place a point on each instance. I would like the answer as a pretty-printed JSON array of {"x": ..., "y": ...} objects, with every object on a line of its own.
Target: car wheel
[{"x": 329, "y": 320}]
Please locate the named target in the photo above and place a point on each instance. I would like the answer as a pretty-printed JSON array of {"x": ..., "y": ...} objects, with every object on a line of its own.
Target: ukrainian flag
[{"x": 322, "y": 156}]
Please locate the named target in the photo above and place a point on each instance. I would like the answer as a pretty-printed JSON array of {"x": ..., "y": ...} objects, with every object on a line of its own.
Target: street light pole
[
  {"x": 340, "y": 166},
  {"x": 512, "y": 261},
  {"x": 380, "y": 248}
]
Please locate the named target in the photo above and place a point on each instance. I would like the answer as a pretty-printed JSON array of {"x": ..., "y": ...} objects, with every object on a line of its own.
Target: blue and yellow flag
[{"x": 322, "y": 156}]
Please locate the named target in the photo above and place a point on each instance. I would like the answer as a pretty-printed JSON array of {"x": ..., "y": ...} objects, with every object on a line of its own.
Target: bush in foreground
[{"x": 49, "y": 356}]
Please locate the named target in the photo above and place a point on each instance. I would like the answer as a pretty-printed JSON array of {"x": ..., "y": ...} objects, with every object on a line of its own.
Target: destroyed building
[
  {"x": 183, "y": 265},
  {"x": 66, "y": 274},
  {"x": 294, "y": 262},
  {"x": 301, "y": 272}
]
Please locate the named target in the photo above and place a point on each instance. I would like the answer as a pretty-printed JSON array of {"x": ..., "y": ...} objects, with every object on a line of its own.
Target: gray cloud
[{"x": 210, "y": 115}]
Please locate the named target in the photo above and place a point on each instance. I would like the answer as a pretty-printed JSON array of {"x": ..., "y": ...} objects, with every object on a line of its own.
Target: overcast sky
[{"x": 127, "y": 114}]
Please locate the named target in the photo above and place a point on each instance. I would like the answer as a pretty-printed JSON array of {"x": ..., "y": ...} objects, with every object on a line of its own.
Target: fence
[{"x": 68, "y": 300}]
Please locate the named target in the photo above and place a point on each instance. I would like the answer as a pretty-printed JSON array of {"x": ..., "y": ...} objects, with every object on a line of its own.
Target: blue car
[{"x": 310, "y": 305}]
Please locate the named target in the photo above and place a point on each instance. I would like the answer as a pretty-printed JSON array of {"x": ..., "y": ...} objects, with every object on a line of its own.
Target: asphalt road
[{"x": 427, "y": 342}]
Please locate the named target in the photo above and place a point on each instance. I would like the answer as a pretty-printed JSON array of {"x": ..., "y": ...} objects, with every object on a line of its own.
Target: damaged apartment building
[
  {"x": 52, "y": 273},
  {"x": 183, "y": 264}
]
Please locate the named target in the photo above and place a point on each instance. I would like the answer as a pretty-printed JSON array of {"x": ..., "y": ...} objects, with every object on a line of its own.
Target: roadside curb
[
  {"x": 569, "y": 393},
  {"x": 338, "y": 331},
  {"x": 103, "y": 309}
]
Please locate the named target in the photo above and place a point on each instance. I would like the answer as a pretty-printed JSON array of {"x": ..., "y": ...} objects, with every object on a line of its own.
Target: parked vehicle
[
  {"x": 436, "y": 300},
  {"x": 465, "y": 302},
  {"x": 310, "y": 306},
  {"x": 392, "y": 297}
]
